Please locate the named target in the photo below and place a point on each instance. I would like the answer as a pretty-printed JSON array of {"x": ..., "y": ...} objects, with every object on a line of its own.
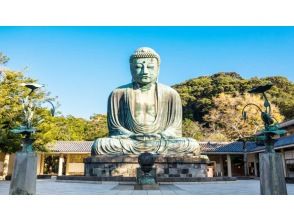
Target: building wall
[
  {"x": 75, "y": 164},
  {"x": 289, "y": 162},
  {"x": 2, "y": 155},
  {"x": 11, "y": 164},
  {"x": 251, "y": 164},
  {"x": 38, "y": 163},
  {"x": 290, "y": 130},
  {"x": 217, "y": 165},
  {"x": 237, "y": 161},
  {"x": 221, "y": 166}
]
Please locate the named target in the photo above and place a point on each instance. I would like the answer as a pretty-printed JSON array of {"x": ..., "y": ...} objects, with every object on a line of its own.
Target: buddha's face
[{"x": 145, "y": 70}]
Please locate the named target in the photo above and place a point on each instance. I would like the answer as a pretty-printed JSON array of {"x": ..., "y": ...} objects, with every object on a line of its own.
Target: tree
[
  {"x": 70, "y": 128},
  {"x": 11, "y": 112},
  {"x": 197, "y": 93},
  {"x": 215, "y": 136},
  {"x": 61, "y": 128},
  {"x": 192, "y": 129},
  {"x": 226, "y": 115},
  {"x": 282, "y": 94},
  {"x": 3, "y": 58},
  {"x": 96, "y": 127}
]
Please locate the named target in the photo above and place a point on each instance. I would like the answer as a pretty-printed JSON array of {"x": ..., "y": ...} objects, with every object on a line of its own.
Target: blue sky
[{"x": 82, "y": 65}]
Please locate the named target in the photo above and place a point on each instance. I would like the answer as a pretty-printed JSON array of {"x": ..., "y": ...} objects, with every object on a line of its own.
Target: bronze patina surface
[{"x": 144, "y": 115}]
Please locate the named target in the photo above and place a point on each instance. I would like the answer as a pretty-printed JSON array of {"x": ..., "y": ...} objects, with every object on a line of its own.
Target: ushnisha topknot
[{"x": 145, "y": 52}]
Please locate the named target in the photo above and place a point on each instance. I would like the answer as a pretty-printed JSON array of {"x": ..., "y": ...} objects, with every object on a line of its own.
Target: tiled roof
[
  {"x": 72, "y": 146},
  {"x": 287, "y": 123},
  {"x": 207, "y": 147},
  {"x": 284, "y": 141},
  {"x": 280, "y": 143},
  {"x": 226, "y": 147},
  {"x": 85, "y": 146}
]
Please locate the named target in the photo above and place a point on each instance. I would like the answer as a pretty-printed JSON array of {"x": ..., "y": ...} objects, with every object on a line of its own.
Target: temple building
[{"x": 226, "y": 158}]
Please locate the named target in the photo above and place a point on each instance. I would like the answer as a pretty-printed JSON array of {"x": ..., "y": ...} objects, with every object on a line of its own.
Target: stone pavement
[{"x": 53, "y": 187}]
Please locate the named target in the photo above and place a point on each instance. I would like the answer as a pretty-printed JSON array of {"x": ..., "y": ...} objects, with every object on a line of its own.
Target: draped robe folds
[{"x": 122, "y": 124}]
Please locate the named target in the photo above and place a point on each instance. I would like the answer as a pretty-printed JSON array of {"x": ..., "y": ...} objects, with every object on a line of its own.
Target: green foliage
[
  {"x": 282, "y": 94},
  {"x": 11, "y": 112},
  {"x": 70, "y": 128},
  {"x": 197, "y": 94},
  {"x": 3, "y": 58},
  {"x": 51, "y": 129},
  {"x": 225, "y": 117},
  {"x": 96, "y": 127},
  {"x": 192, "y": 129},
  {"x": 216, "y": 136}
]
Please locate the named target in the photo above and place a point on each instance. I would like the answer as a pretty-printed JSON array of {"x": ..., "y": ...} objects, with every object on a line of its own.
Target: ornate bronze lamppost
[
  {"x": 146, "y": 174},
  {"x": 272, "y": 179},
  {"x": 27, "y": 129},
  {"x": 23, "y": 181}
]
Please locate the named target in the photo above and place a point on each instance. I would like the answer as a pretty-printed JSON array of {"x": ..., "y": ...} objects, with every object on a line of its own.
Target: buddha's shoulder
[
  {"x": 122, "y": 88},
  {"x": 167, "y": 89}
]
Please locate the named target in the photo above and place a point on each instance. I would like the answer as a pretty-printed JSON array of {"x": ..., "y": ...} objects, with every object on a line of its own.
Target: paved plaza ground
[{"x": 53, "y": 187}]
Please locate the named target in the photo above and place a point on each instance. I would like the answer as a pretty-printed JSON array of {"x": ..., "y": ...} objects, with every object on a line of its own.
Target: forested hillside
[
  {"x": 212, "y": 105},
  {"x": 197, "y": 94}
]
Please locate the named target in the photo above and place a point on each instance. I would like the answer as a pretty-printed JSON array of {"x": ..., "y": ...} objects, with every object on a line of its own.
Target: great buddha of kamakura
[{"x": 144, "y": 115}]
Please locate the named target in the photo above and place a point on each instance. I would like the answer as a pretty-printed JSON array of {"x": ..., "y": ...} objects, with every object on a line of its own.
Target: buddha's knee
[
  {"x": 104, "y": 146},
  {"x": 110, "y": 146},
  {"x": 183, "y": 145}
]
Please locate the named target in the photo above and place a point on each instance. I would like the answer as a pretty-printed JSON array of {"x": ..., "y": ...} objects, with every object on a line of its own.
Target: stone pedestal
[
  {"x": 148, "y": 182},
  {"x": 126, "y": 165},
  {"x": 146, "y": 186},
  {"x": 272, "y": 179},
  {"x": 23, "y": 180},
  {"x": 140, "y": 173}
]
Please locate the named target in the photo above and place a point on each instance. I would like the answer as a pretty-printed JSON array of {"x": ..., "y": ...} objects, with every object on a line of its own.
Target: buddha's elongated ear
[{"x": 158, "y": 70}]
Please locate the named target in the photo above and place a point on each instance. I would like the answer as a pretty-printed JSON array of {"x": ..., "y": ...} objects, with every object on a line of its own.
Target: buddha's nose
[{"x": 145, "y": 70}]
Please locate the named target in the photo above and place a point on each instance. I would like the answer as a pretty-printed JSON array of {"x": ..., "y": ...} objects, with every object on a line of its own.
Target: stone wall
[{"x": 104, "y": 166}]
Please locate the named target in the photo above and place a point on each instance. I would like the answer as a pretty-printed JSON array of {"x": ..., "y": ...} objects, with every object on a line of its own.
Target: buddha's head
[{"x": 144, "y": 64}]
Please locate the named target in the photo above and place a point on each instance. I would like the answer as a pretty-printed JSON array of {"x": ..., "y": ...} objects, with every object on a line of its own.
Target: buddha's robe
[{"x": 123, "y": 125}]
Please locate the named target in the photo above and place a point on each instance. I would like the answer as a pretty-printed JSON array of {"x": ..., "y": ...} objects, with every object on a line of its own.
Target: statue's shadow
[{"x": 130, "y": 186}]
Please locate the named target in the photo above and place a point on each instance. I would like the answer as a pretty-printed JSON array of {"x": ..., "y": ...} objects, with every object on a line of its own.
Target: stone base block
[
  {"x": 272, "y": 180},
  {"x": 126, "y": 166},
  {"x": 146, "y": 179},
  {"x": 139, "y": 174},
  {"x": 146, "y": 186},
  {"x": 23, "y": 180}
]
